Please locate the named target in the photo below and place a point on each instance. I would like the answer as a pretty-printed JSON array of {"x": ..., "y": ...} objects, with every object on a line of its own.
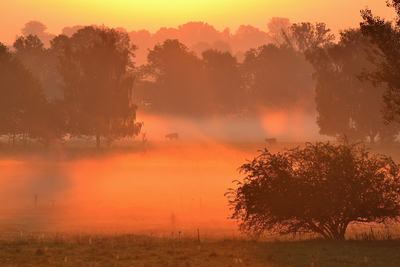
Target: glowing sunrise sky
[{"x": 153, "y": 14}]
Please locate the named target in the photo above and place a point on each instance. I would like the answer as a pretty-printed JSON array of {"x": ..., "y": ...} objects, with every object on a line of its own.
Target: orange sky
[{"x": 153, "y": 14}]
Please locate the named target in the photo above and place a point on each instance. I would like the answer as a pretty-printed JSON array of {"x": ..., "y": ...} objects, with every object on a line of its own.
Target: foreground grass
[
  {"x": 124, "y": 250},
  {"x": 330, "y": 253},
  {"x": 134, "y": 250}
]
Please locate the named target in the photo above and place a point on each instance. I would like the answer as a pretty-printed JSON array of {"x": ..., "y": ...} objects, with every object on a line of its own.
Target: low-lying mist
[
  {"x": 174, "y": 186},
  {"x": 167, "y": 186},
  {"x": 294, "y": 126}
]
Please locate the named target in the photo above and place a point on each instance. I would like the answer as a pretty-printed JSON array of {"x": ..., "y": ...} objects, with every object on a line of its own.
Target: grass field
[
  {"x": 78, "y": 206},
  {"x": 58, "y": 249}
]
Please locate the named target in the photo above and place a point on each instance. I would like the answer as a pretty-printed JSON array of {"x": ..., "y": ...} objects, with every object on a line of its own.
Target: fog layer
[{"x": 174, "y": 186}]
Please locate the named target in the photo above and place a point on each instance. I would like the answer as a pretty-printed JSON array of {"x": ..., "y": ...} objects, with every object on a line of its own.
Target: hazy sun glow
[{"x": 154, "y": 14}]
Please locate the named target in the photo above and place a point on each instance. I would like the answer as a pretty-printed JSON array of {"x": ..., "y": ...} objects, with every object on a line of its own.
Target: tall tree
[
  {"x": 344, "y": 104},
  {"x": 224, "y": 81},
  {"x": 96, "y": 69},
  {"x": 37, "y": 28},
  {"x": 21, "y": 98},
  {"x": 276, "y": 26},
  {"x": 303, "y": 36},
  {"x": 278, "y": 77},
  {"x": 173, "y": 80},
  {"x": 384, "y": 52},
  {"x": 41, "y": 61}
]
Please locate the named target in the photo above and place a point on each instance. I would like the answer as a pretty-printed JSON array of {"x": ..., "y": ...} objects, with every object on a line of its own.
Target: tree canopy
[
  {"x": 37, "y": 28},
  {"x": 22, "y": 100},
  {"x": 319, "y": 189},
  {"x": 173, "y": 80},
  {"x": 344, "y": 104},
  {"x": 278, "y": 77},
  {"x": 41, "y": 61},
  {"x": 224, "y": 81},
  {"x": 303, "y": 36},
  {"x": 384, "y": 52},
  {"x": 96, "y": 68}
]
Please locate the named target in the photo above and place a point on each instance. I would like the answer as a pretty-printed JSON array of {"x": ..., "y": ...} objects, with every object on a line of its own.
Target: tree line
[
  {"x": 94, "y": 72},
  {"x": 87, "y": 84}
]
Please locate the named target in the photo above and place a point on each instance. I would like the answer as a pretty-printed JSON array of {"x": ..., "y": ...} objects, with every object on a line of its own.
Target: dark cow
[
  {"x": 172, "y": 136},
  {"x": 271, "y": 141}
]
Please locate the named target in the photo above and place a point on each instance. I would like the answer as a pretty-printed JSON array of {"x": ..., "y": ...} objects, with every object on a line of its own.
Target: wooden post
[
  {"x": 52, "y": 204},
  {"x": 35, "y": 200},
  {"x": 198, "y": 234}
]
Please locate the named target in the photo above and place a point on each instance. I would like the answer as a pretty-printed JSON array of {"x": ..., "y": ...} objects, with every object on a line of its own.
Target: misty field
[{"x": 75, "y": 205}]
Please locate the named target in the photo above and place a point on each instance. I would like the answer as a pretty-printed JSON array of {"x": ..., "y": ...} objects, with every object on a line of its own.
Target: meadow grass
[{"x": 59, "y": 249}]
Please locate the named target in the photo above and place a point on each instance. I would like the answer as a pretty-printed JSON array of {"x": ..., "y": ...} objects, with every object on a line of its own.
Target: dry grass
[
  {"x": 58, "y": 249},
  {"x": 124, "y": 250}
]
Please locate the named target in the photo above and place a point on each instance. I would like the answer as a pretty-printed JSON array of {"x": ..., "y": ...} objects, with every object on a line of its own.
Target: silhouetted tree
[
  {"x": 225, "y": 82},
  {"x": 96, "y": 70},
  {"x": 247, "y": 36},
  {"x": 41, "y": 61},
  {"x": 197, "y": 31},
  {"x": 384, "y": 52},
  {"x": 278, "y": 77},
  {"x": 276, "y": 27},
  {"x": 344, "y": 104},
  {"x": 173, "y": 80},
  {"x": 221, "y": 46},
  {"x": 39, "y": 29},
  {"x": 69, "y": 31},
  {"x": 194, "y": 35},
  {"x": 21, "y": 98},
  {"x": 200, "y": 47},
  {"x": 304, "y": 35},
  {"x": 320, "y": 189}
]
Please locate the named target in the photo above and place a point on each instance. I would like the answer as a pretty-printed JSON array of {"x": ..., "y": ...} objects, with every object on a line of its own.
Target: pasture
[{"x": 74, "y": 205}]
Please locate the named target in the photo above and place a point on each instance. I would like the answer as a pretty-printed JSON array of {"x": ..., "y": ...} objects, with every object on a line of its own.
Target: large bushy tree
[
  {"x": 319, "y": 189},
  {"x": 305, "y": 35},
  {"x": 344, "y": 104},
  {"x": 36, "y": 28},
  {"x": 41, "y": 61},
  {"x": 278, "y": 77},
  {"x": 384, "y": 52},
  {"x": 224, "y": 81},
  {"x": 21, "y": 98},
  {"x": 173, "y": 80},
  {"x": 96, "y": 68}
]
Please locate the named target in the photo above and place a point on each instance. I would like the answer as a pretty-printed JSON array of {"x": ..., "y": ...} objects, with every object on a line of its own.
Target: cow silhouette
[
  {"x": 271, "y": 141},
  {"x": 172, "y": 136}
]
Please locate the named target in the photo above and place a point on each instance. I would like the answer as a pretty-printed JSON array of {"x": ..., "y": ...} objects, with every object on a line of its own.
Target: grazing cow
[
  {"x": 172, "y": 136},
  {"x": 271, "y": 141}
]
